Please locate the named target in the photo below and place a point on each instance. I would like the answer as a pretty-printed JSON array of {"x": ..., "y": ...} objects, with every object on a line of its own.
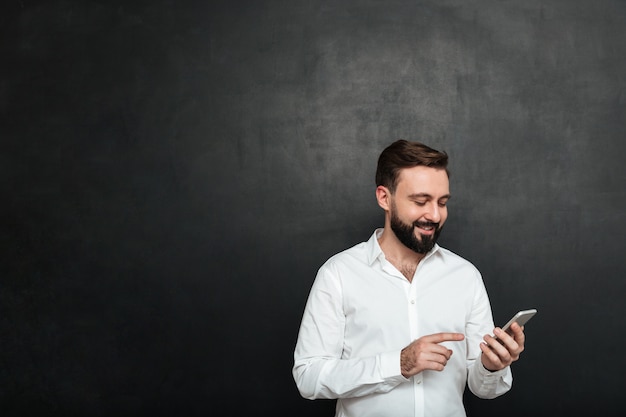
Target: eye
[
  {"x": 420, "y": 203},
  {"x": 443, "y": 203}
]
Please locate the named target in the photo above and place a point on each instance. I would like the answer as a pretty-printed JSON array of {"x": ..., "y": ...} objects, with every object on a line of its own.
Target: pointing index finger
[{"x": 444, "y": 337}]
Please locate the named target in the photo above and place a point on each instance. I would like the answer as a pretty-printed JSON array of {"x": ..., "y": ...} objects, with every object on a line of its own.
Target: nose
[{"x": 434, "y": 212}]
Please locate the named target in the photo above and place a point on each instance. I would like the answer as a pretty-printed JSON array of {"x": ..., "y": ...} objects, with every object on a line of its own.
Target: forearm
[
  {"x": 318, "y": 377},
  {"x": 486, "y": 384}
]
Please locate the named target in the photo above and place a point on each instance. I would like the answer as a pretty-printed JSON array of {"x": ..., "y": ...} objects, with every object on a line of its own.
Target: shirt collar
[{"x": 374, "y": 251}]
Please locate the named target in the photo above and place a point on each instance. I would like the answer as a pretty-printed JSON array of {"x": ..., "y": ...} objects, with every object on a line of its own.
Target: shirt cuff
[
  {"x": 487, "y": 373},
  {"x": 390, "y": 366}
]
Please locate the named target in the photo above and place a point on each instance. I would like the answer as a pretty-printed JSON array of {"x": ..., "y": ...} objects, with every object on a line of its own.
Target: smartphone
[{"x": 521, "y": 317}]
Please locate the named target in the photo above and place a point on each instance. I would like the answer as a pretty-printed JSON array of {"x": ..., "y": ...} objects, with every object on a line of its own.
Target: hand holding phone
[{"x": 521, "y": 318}]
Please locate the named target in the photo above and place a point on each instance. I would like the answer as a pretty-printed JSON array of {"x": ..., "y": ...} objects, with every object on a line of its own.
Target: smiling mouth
[{"x": 427, "y": 227}]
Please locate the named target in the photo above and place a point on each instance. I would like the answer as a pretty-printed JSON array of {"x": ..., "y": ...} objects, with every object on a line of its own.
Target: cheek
[
  {"x": 409, "y": 211},
  {"x": 444, "y": 216},
  {"x": 415, "y": 213}
]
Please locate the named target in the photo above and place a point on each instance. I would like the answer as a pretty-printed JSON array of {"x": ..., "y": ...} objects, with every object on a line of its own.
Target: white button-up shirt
[{"x": 361, "y": 312}]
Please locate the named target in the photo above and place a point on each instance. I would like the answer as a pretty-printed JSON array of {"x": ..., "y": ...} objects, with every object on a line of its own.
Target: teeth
[{"x": 426, "y": 226}]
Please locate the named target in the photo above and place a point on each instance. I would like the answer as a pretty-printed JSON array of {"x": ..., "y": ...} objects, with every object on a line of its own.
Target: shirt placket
[{"x": 412, "y": 311}]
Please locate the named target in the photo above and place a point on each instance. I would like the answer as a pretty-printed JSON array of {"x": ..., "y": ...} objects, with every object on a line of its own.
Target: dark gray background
[{"x": 174, "y": 173}]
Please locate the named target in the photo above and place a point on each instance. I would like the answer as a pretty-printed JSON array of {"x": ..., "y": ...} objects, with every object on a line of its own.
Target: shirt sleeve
[
  {"x": 482, "y": 382},
  {"x": 319, "y": 370},
  {"x": 486, "y": 384}
]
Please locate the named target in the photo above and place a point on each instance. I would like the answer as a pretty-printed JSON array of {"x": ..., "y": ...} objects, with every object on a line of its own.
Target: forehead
[{"x": 423, "y": 180}]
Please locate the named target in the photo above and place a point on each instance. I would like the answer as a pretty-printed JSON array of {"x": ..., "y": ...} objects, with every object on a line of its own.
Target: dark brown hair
[{"x": 404, "y": 154}]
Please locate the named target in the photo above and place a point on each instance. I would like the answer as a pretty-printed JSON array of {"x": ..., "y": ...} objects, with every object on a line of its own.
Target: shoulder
[
  {"x": 454, "y": 261},
  {"x": 356, "y": 254}
]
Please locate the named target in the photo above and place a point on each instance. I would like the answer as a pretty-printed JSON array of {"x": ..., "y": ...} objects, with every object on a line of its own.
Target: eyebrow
[{"x": 422, "y": 195}]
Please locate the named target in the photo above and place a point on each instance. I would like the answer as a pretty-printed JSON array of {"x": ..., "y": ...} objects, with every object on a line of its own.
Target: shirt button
[
  {"x": 419, "y": 381},
  {"x": 412, "y": 301}
]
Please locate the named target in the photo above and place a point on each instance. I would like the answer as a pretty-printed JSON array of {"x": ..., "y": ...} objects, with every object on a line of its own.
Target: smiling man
[{"x": 398, "y": 326}]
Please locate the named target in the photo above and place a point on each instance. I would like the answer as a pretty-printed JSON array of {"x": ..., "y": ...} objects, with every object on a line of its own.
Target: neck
[{"x": 404, "y": 259}]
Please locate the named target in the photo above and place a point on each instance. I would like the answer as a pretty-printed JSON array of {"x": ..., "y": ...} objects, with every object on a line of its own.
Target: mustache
[{"x": 418, "y": 223}]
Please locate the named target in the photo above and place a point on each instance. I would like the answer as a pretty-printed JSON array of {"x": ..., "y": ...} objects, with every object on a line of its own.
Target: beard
[{"x": 406, "y": 235}]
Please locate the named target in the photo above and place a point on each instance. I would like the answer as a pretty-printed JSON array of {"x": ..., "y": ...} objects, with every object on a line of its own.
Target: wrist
[
  {"x": 485, "y": 367},
  {"x": 489, "y": 370},
  {"x": 406, "y": 363}
]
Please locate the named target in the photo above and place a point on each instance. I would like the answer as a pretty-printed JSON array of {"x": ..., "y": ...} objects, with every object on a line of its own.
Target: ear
[{"x": 383, "y": 197}]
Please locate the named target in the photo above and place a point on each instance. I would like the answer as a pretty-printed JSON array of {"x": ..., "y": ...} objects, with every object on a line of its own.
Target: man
[{"x": 397, "y": 326}]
